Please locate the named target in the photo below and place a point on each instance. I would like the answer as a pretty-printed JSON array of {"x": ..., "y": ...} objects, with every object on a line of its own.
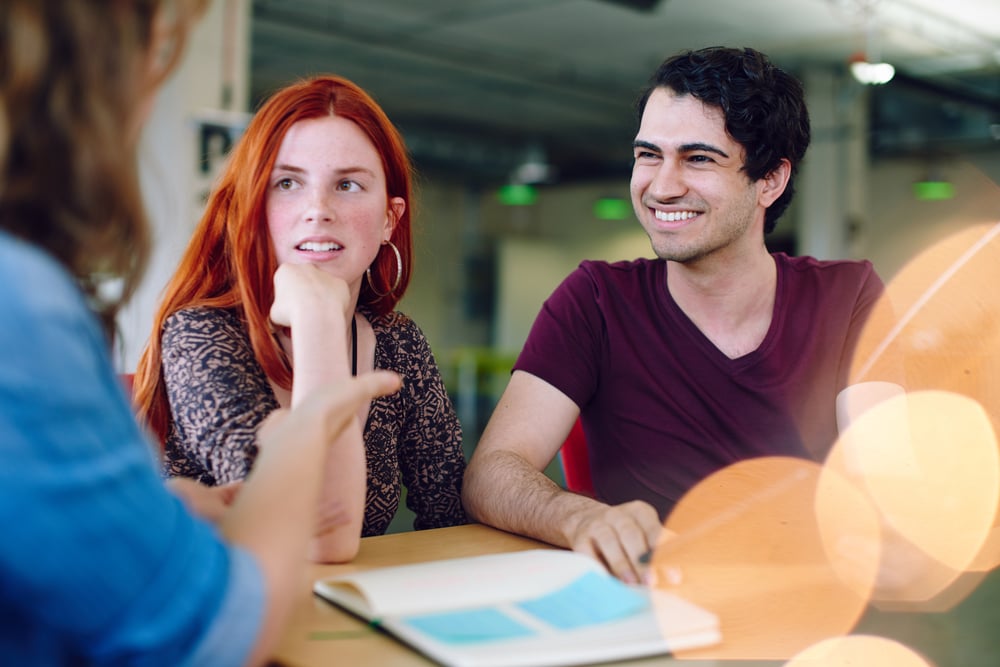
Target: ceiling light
[
  {"x": 867, "y": 66},
  {"x": 534, "y": 168},
  {"x": 869, "y": 73},
  {"x": 933, "y": 190},
  {"x": 873, "y": 74}
]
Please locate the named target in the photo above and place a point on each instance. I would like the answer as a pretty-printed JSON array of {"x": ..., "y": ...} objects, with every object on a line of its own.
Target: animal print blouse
[{"x": 219, "y": 395}]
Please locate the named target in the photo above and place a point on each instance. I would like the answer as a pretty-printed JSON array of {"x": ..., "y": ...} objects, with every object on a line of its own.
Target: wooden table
[{"x": 321, "y": 634}]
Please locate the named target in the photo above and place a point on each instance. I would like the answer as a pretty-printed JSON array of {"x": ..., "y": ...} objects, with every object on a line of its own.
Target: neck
[{"x": 731, "y": 304}]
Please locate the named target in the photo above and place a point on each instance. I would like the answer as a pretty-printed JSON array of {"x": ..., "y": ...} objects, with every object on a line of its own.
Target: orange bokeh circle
[
  {"x": 749, "y": 548},
  {"x": 858, "y": 650},
  {"x": 929, "y": 463}
]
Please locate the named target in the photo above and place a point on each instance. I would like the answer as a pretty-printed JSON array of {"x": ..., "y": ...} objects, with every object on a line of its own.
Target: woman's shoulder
[
  {"x": 51, "y": 287},
  {"x": 204, "y": 325},
  {"x": 395, "y": 323},
  {"x": 397, "y": 335},
  {"x": 201, "y": 318}
]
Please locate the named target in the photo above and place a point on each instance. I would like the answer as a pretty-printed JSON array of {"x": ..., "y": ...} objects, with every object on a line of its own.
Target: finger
[
  {"x": 636, "y": 550},
  {"x": 342, "y": 399},
  {"x": 618, "y": 561},
  {"x": 276, "y": 318},
  {"x": 363, "y": 388},
  {"x": 271, "y": 423},
  {"x": 604, "y": 540},
  {"x": 380, "y": 383},
  {"x": 647, "y": 521},
  {"x": 637, "y": 527}
]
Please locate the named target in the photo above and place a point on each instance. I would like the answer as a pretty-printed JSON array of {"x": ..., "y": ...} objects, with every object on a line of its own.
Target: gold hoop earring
[{"x": 399, "y": 273}]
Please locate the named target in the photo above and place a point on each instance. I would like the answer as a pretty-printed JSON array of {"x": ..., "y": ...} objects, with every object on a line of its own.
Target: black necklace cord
[{"x": 354, "y": 346}]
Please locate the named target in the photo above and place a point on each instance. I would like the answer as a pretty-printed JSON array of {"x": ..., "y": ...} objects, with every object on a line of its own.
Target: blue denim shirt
[{"x": 99, "y": 563}]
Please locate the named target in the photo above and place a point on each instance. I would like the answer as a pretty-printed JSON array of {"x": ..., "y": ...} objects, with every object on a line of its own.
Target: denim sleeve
[
  {"x": 237, "y": 622},
  {"x": 99, "y": 563}
]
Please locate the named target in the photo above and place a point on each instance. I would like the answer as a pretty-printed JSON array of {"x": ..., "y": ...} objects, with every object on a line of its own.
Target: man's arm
[{"x": 505, "y": 487}]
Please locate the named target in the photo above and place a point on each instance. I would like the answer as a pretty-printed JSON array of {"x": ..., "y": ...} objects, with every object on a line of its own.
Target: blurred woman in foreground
[{"x": 100, "y": 563}]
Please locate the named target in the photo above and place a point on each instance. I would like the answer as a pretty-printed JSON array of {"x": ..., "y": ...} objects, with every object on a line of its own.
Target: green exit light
[
  {"x": 517, "y": 195},
  {"x": 933, "y": 190},
  {"x": 611, "y": 208}
]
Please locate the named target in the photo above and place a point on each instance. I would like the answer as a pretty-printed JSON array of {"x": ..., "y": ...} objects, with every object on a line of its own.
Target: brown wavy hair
[
  {"x": 230, "y": 262},
  {"x": 74, "y": 80}
]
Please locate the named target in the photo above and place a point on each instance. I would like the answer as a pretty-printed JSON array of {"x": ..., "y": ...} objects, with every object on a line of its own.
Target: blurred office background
[{"x": 518, "y": 114}]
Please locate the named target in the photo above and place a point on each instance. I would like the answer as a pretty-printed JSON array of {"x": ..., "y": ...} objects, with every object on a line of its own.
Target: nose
[
  {"x": 666, "y": 181},
  {"x": 318, "y": 208}
]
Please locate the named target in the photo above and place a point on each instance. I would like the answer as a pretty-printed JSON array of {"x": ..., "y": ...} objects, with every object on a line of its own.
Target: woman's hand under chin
[{"x": 304, "y": 290}]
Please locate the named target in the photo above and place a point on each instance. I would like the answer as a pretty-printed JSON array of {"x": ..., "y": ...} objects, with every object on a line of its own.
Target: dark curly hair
[{"x": 764, "y": 108}]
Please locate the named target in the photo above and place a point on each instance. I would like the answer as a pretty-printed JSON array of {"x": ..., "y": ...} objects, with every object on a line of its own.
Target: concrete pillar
[
  {"x": 210, "y": 88},
  {"x": 831, "y": 198}
]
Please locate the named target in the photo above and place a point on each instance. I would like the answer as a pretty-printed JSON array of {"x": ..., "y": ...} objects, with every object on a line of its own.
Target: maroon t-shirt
[{"x": 662, "y": 407}]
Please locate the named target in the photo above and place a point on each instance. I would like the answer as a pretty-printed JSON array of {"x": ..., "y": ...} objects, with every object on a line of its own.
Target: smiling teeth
[
  {"x": 316, "y": 246},
  {"x": 674, "y": 216}
]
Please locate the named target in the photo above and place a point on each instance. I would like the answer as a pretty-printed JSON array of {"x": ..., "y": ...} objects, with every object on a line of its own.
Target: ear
[
  {"x": 774, "y": 183},
  {"x": 397, "y": 206}
]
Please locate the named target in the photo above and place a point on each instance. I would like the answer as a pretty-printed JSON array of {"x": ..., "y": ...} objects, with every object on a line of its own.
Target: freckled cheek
[
  {"x": 367, "y": 220},
  {"x": 279, "y": 225}
]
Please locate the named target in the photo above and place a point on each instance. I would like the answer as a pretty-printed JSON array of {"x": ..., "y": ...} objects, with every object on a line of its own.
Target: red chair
[
  {"x": 576, "y": 463},
  {"x": 127, "y": 380}
]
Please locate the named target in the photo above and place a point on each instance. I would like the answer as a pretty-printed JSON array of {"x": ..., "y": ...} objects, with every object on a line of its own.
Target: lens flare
[
  {"x": 749, "y": 547},
  {"x": 858, "y": 650},
  {"x": 929, "y": 463}
]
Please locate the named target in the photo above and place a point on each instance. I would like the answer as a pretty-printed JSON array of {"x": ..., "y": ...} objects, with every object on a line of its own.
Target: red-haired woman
[{"x": 290, "y": 281}]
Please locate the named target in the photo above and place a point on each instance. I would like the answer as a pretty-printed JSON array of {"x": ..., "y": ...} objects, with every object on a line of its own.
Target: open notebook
[{"x": 541, "y": 607}]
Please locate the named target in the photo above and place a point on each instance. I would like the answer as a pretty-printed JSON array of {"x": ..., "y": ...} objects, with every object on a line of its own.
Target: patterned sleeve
[
  {"x": 430, "y": 445},
  {"x": 218, "y": 396}
]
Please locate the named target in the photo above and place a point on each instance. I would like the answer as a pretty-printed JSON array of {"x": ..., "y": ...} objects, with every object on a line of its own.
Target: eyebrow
[
  {"x": 707, "y": 148},
  {"x": 287, "y": 167},
  {"x": 340, "y": 172},
  {"x": 683, "y": 148},
  {"x": 638, "y": 143}
]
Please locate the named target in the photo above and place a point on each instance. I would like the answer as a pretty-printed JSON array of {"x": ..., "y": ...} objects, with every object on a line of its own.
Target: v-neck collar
[{"x": 675, "y": 313}]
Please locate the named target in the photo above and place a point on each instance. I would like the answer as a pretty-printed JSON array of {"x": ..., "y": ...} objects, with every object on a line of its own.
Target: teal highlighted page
[
  {"x": 469, "y": 626},
  {"x": 588, "y": 600}
]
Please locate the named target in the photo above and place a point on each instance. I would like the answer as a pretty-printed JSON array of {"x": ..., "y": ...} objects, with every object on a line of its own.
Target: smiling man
[{"x": 716, "y": 352}]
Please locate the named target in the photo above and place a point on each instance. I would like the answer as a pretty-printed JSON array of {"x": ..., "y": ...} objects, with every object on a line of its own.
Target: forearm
[
  {"x": 504, "y": 490},
  {"x": 320, "y": 348},
  {"x": 320, "y": 355},
  {"x": 337, "y": 534},
  {"x": 271, "y": 519},
  {"x": 271, "y": 516}
]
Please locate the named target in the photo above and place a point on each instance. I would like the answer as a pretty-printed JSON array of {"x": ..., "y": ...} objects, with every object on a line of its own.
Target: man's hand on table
[{"x": 619, "y": 536}]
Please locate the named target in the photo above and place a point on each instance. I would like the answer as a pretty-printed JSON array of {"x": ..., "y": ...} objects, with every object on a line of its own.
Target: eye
[
  {"x": 348, "y": 186},
  {"x": 642, "y": 154},
  {"x": 284, "y": 184}
]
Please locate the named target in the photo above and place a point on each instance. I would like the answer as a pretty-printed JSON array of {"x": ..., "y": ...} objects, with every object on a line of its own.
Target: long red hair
[{"x": 230, "y": 263}]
